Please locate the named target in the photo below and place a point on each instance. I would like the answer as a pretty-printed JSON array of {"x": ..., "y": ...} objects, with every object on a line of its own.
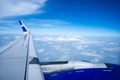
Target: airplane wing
[{"x": 19, "y": 61}]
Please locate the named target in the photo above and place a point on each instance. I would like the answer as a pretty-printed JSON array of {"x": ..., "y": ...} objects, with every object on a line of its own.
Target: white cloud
[
  {"x": 47, "y": 25},
  {"x": 6, "y": 37},
  {"x": 57, "y": 47},
  {"x": 90, "y": 42},
  {"x": 112, "y": 49},
  {"x": 112, "y": 43},
  {"x": 64, "y": 58},
  {"x": 58, "y": 38},
  {"x": 41, "y": 50},
  {"x": 19, "y": 7},
  {"x": 80, "y": 47},
  {"x": 17, "y": 37},
  {"x": 67, "y": 38},
  {"x": 92, "y": 54},
  {"x": 95, "y": 60}
]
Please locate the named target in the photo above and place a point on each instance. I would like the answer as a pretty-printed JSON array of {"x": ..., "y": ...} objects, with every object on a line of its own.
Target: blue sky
[{"x": 66, "y": 17}]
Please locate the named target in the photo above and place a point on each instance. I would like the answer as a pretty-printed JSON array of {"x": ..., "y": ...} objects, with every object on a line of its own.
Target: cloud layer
[
  {"x": 93, "y": 49},
  {"x": 21, "y": 7}
]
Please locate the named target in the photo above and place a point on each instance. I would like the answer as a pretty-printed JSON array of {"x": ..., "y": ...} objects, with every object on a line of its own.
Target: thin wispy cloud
[
  {"x": 3, "y": 27},
  {"x": 47, "y": 22},
  {"x": 47, "y": 25},
  {"x": 17, "y": 8}
]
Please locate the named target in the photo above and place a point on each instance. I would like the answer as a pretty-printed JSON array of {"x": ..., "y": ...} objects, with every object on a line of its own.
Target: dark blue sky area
[{"x": 85, "y": 12}]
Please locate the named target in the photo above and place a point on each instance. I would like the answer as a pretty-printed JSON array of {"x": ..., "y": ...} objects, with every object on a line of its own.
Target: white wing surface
[{"x": 19, "y": 61}]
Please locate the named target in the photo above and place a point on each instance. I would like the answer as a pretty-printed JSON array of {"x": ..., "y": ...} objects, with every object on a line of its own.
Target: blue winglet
[
  {"x": 24, "y": 28},
  {"x": 20, "y": 22}
]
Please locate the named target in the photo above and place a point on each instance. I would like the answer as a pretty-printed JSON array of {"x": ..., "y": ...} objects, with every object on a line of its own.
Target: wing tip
[
  {"x": 20, "y": 22},
  {"x": 24, "y": 28}
]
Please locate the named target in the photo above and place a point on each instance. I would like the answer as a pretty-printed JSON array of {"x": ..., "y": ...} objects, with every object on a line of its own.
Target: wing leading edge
[{"x": 19, "y": 61}]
